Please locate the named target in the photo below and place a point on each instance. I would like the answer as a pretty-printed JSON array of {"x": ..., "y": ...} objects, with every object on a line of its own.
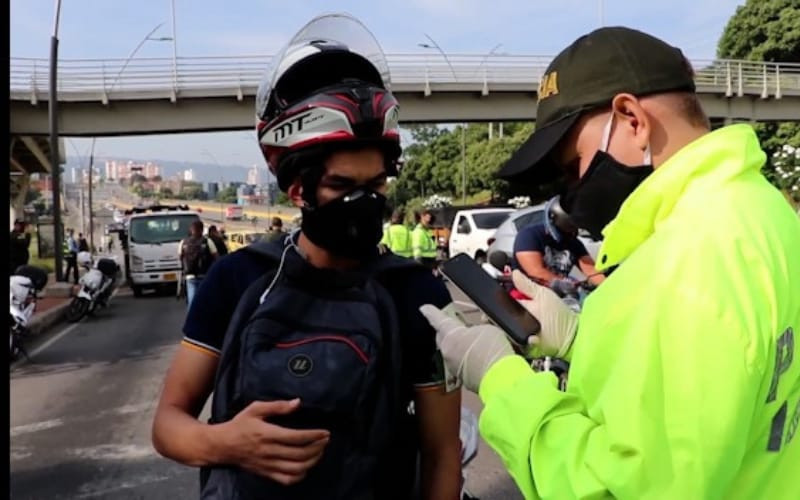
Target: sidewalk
[{"x": 51, "y": 306}]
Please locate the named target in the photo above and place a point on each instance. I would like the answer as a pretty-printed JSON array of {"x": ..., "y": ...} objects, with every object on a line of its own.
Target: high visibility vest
[
  {"x": 398, "y": 238},
  {"x": 424, "y": 246}
]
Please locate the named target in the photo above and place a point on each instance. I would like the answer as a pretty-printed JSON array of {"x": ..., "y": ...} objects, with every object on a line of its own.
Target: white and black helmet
[{"x": 328, "y": 86}]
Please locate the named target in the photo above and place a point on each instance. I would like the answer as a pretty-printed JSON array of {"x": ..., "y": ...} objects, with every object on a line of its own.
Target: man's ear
[
  {"x": 295, "y": 193},
  {"x": 632, "y": 119}
]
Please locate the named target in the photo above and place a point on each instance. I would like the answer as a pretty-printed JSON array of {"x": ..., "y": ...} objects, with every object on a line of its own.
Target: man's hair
[
  {"x": 419, "y": 213},
  {"x": 197, "y": 226},
  {"x": 277, "y": 222},
  {"x": 398, "y": 216},
  {"x": 212, "y": 228},
  {"x": 689, "y": 106}
]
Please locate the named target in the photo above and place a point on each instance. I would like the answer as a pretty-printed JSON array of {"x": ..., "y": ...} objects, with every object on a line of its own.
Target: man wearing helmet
[
  {"x": 328, "y": 127},
  {"x": 548, "y": 251}
]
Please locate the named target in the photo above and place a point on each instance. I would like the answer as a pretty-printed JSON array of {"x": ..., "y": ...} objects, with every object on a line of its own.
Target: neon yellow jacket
[
  {"x": 685, "y": 374},
  {"x": 398, "y": 238},
  {"x": 424, "y": 246}
]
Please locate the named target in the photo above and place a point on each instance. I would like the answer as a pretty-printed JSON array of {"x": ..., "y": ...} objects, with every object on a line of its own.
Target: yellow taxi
[{"x": 240, "y": 239}]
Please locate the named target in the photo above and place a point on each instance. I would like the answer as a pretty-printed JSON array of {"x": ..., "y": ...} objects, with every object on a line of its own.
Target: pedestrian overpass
[{"x": 198, "y": 94}]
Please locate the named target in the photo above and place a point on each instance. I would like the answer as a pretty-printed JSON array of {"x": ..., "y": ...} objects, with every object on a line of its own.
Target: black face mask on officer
[
  {"x": 349, "y": 226},
  {"x": 594, "y": 200}
]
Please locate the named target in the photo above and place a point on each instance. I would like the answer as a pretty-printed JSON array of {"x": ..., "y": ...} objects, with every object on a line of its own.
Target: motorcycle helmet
[
  {"x": 328, "y": 88},
  {"x": 84, "y": 259},
  {"x": 557, "y": 221},
  {"x": 20, "y": 287}
]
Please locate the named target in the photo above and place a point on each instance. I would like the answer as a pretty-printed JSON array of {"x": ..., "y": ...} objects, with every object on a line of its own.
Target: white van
[
  {"x": 472, "y": 230},
  {"x": 151, "y": 239}
]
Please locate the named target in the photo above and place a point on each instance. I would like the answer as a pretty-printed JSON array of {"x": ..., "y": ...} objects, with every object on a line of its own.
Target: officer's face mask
[
  {"x": 349, "y": 226},
  {"x": 595, "y": 199}
]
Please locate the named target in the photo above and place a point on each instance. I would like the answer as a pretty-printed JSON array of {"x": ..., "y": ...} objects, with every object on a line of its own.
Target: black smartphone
[{"x": 491, "y": 298}]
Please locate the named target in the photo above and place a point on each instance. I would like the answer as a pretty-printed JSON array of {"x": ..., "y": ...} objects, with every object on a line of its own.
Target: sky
[{"x": 96, "y": 29}]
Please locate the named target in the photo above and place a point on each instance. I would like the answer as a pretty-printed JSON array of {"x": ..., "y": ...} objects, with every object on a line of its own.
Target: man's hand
[
  {"x": 559, "y": 322},
  {"x": 468, "y": 352},
  {"x": 281, "y": 454}
]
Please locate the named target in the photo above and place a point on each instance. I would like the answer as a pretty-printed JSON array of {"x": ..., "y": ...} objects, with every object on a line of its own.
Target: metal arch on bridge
[{"x": 108, "y": 97}]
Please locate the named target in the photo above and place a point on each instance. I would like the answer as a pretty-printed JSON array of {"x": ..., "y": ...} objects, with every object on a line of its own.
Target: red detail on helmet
[{"x": 334, "y": 99}]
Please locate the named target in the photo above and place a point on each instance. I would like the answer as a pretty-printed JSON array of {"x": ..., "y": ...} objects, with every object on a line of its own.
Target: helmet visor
[{"x": 329, "y": 30}]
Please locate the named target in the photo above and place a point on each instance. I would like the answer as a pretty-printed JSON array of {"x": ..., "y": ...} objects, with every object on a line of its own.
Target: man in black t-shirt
[{"x": 336, "y": 173}]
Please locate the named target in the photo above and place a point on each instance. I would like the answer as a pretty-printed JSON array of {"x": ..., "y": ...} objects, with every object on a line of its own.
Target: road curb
[{"x": 46, "y": 320}]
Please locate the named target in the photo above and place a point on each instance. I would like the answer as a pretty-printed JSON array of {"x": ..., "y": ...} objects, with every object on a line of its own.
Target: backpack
[
  {"x": 332, "y": 339},
  {"x": 196, "y": 256}
]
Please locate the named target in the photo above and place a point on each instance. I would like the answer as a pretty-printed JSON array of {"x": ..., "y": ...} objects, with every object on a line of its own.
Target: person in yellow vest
[
  {"x": 424, "y": 246},
  {"x": 397, "y": 236}
]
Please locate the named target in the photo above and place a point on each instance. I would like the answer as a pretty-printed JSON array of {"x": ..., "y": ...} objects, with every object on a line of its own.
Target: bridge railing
[{"x": 113, "y": 78}]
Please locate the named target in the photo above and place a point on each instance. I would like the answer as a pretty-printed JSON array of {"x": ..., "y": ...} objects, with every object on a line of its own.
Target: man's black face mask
[
  {"x": 595, "y": 199},
  {"x": 349, "y": 226}
]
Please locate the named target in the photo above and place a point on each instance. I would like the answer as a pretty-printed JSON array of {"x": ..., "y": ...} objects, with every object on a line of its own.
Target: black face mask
[
  {"x": 595, "y": 199},
  {"x": 349, "y": 226}
]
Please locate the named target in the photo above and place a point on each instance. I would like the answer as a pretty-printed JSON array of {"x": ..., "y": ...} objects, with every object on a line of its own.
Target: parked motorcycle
[
  {"x": 96, "y": 286},
  {"x": 24, "y": 286}
]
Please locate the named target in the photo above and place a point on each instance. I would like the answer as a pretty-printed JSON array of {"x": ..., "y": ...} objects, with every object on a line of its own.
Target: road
[{"x": 81, "y": 411}]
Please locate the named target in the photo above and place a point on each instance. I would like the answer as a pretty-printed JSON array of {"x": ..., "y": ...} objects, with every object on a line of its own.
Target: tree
[
  {"x": 766, "y": 30},
  {"x": 227, "y": 195},
  {"x": 138, "y": 179},
  {"x": 32, "y": 195},
  {"x": 156, "y": 178}
]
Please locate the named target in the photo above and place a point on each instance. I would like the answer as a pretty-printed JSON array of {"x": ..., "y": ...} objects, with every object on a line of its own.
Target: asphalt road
[{"x": 81, "y": 411}]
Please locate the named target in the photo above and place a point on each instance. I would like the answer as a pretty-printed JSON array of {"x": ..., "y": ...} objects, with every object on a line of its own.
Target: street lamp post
[
  {"x": 174, "y": 51},
  {"x": 463, "y": 125},
  {"x": 130, "y": 57},
  {"x": 437, "y": 47},
  {"x": 54, "y": 156},
  {"x": 219, "y": 190}
]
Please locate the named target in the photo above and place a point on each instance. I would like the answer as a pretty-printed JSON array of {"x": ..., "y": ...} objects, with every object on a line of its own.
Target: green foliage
[
  {"x": 32, "y": 195},
  {"x": 283, "y": 199},
  {"x": 763, "y": 30},
  {"x": 766, "y": 30},
  {"x": 787, "y": 171},
  {"x": 458, "y": 163},
  {"x": 227, "y": 195},
  {"x": 192, "y": 191}
]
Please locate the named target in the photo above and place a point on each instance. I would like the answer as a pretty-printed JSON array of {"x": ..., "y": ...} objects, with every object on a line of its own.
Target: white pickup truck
[{"x": 472, "y": 229}]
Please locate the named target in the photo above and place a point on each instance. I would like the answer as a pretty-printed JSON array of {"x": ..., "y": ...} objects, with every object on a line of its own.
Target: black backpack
[
  {"x": 332, "y": 339},
  {"x": 196, "y": 256}
]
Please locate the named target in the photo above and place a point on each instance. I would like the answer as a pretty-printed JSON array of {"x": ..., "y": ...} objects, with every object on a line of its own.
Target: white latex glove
[
  {"x": 468, "y": 352},
  {"x": 559, "y": 322}
]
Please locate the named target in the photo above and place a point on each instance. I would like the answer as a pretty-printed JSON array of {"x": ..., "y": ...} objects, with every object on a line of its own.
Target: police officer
[
  {"x": 685, "y": 372},
  {"x": 424, "y": 246},
  {"x": 397, "y": 237}
]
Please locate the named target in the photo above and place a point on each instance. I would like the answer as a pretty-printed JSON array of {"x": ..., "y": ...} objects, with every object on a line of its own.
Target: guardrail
[{"x": 105, "y": 79}]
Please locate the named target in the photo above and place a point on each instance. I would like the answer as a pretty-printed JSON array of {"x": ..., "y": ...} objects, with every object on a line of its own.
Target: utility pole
[
  {"x": 463, "y": 163},
  {"x": 91, "y": 212},
  {"x": 55, "y": 165}
]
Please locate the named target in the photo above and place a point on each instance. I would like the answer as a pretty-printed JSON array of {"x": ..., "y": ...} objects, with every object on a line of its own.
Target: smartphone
[{"x": 491, "y": 298}]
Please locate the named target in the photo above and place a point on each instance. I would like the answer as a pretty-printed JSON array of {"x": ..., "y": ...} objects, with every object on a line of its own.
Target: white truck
[
  {"x": 150, "y": 238},
  {"x": 473, "y": 228}
]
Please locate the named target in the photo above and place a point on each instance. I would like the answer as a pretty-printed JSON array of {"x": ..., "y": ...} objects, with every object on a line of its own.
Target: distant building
[
  {"x": 212, "y": 189},
  {"x": 254, "y": 176},
  {"x": 118, "y": 170},
  {"x": 188, "y": 175}
]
